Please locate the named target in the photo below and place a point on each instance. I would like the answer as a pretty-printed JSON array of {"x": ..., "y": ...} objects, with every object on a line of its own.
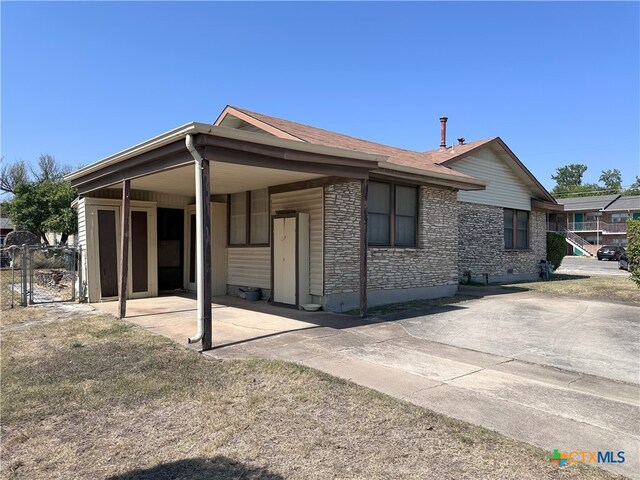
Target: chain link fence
[{"x": 32, "y": 274}]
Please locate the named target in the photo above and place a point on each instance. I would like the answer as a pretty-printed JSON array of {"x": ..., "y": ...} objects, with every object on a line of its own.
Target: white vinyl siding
[
  {"x": 307, "y": 201},
  {"x": 505, "y": 189},
  {"x": 249, "y": 267},
  {"x": 82, "y": 239}
]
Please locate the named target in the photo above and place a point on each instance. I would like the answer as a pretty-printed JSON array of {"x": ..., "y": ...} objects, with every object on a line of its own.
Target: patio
[{"x": 234, "y": 320}]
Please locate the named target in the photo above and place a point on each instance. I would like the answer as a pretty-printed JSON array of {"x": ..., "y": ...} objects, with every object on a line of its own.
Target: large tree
[
  {"x": 41, "y": 198},
  {"x": 612, "y": 180},
  {"x": 44, "y": 207},
  {"x": 569, "y": 175}
]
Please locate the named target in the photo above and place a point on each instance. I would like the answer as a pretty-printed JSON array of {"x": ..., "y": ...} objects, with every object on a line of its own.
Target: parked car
[
  {"x": 623, "y": 262},
  {"x": 610, "y": 252}
]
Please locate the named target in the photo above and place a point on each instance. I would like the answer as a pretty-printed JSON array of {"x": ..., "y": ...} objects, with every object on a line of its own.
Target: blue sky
[{"x": 559, "y": 82}]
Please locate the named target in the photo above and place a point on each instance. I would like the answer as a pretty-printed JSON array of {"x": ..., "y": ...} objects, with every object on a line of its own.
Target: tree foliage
[
  {"x": 569, "y": 175},
  {"x": 634, "y": 188},
  {"x": 569, "y": 183},
  {"x": 612, "y": 180},
  {"x": 41, "y": 198},
  {"x": 633, "y": 249},
  {"x": 556, "y": 249},
  {"x": 43, "y": 207}
]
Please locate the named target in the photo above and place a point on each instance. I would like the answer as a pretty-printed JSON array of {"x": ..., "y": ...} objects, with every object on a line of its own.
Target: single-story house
[{"x": 304, "y": 214}]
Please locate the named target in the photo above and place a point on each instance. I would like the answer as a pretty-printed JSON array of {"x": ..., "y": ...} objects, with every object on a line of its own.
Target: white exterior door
[{"x": 284, "y": 260}]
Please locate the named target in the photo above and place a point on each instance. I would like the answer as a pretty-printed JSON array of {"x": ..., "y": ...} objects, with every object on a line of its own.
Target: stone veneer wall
[
  {"x": 434, "y": 263},
  {"x": 342, "y": 238},
  {"x": 481, "y": 244}
]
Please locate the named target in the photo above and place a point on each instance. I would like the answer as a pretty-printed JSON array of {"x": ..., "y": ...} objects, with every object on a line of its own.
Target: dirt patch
[{"x": 95, "y": 397}]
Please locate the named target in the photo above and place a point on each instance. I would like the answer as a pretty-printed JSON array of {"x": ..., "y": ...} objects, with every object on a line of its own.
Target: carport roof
[{"x": 168, "y": 151}]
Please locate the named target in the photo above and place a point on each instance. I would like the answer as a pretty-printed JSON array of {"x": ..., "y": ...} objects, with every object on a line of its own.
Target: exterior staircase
[{"x": 578, "y": 242}]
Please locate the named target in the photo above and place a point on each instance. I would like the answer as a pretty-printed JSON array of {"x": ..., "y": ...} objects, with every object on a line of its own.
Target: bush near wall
[
  {"x": 556, "y": 249},
  {"x": 633, "y": 249}
]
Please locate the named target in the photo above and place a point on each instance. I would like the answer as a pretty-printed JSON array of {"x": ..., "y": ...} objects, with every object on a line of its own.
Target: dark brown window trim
[
  {"x": 247, "y": 231},
  {"x": 514, "y": 214},
  {"x": 392, "y": 217}
]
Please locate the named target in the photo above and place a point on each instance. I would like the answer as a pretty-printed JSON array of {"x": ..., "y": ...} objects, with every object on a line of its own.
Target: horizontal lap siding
[
  {"x": 307, "y": 201},
  {"x": 82, "y": 237},
  {"x": 505, "y": 189},
  {"x": 249, "y": 267}
]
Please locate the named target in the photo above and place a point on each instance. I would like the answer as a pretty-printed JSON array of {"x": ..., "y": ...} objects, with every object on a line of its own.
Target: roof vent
[{"x": 461, "y": 141}]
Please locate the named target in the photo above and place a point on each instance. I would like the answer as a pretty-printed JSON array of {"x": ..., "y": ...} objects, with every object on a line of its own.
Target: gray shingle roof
[
  {"x": 587, "y": 203},
  {"x": 631, "y": 202}
]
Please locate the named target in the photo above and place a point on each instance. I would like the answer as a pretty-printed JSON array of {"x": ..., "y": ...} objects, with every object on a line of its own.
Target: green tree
[
  {"x": 633, "y": 249},
  {"x": 569, "y": 175},
  {"x": 45, "y": 206},
  {"x": 612, "y": 180},
  {"x": 633, "y": 189}
]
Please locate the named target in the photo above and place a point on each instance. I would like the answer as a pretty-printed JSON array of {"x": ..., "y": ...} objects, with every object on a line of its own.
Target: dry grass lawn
[
  {"x": 596, "y": 287},
  {"x": 94, "y": 397}
]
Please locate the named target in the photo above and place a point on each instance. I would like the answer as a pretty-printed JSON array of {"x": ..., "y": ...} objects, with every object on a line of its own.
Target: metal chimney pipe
[{"x": 443, "y": 133}]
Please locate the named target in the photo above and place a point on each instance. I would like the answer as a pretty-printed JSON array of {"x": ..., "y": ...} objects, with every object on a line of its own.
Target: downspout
[{"x": 199, "y": 247}]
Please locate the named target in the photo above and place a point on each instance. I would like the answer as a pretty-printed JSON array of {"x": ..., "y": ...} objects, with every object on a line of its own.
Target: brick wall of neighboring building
[{"x": 481, "y": 244}]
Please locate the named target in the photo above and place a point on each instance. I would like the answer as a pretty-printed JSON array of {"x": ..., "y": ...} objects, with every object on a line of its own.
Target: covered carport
[{"x": 200, "y": 160}]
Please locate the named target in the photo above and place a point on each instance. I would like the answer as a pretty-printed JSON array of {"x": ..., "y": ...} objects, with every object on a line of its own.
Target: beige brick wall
[
  {"x": 481, "y": 243},
  {"x": 341, "y": 238},
  {"x": 433, "y": 263}
]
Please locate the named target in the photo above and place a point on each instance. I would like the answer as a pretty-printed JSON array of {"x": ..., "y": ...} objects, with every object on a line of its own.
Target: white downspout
[{"x": 199, "y": 246}]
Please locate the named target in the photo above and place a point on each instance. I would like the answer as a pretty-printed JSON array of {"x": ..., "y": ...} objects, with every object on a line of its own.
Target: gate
[
  {"x": 36, "y": 274},
  {"x": 52, "y": 273}
]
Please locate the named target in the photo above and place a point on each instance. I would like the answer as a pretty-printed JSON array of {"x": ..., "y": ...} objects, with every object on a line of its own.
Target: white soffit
[{"x": 225, "y": 178}]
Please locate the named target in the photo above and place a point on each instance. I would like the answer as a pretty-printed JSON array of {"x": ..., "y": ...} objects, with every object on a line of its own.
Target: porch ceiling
[{"x": 225, "y": 178}]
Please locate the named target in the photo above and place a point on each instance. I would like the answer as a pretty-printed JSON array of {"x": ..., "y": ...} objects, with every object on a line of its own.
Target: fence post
[
  {"x": 31, "y": 277},
  {"x": 23, "y": 273},
  {"x": 13, "y": 273},
  {"x": 74, "y": 266},
  {"x": 80, "y": 297}
]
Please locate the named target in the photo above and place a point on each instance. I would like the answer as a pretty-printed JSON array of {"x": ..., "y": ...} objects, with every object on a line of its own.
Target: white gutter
[{"x": 199, "y": 246}]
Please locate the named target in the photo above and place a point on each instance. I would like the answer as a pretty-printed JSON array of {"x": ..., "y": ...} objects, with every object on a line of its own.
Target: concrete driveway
[{"x": 553, "y": 372}]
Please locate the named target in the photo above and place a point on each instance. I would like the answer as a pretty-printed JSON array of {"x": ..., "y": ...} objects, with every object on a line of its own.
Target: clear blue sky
[{"x": 559, "y": 82}]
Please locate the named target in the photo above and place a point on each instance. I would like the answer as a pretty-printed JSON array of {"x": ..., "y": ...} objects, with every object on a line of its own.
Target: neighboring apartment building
[{"x": 599, "y": 220}]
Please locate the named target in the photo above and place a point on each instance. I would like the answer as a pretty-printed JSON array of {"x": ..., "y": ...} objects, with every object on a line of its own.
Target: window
[
  {"x": 393, "y": 215},
  {"x": 516, "y": 229},
  {"x": 249, "y": 218},
  {"x": 619, "y": 217}
]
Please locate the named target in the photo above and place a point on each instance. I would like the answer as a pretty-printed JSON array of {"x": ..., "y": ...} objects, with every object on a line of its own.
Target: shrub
[
  {"x": 633, "y": 249},
  {"x": 556, "y": 249}
]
